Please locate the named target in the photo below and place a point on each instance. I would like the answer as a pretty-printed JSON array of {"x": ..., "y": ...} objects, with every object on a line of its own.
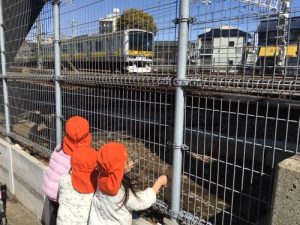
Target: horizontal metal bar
[
  {"x": 248, "y": 86},
  {"x": 34, "y": 147},
  {"x": 184, "y": 216}
]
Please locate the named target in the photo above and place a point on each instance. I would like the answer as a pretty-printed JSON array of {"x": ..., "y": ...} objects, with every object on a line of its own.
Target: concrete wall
[
  {"x": 286, "y": 193},
  {"x": 23, "y": 175},
  {"x": 6, "y": 175}
]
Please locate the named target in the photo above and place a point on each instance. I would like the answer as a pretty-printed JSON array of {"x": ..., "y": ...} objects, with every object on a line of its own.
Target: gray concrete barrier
[
  {"x": 286, "y": 193},
  {"x": 23, "y": 175}
]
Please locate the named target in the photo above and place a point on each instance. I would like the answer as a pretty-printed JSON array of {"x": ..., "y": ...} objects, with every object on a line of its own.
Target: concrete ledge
[
  {"x": 28, "y": 177},
  {"x": 23, "y": 175},
  {"x": 6, "y": 174},
  {"x": 141, "y": 221},
  {"x": 169, "y": 222},
  {"x": 286, "y": 193}
]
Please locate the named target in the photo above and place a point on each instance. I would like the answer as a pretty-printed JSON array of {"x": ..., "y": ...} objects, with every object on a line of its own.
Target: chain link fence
[{"x": 206, "y": 91}]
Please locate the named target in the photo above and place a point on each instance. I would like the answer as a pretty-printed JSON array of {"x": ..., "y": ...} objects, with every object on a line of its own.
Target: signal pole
[
  {"x": 38, "y": 43},
  {"x": 283, "y": 23}
]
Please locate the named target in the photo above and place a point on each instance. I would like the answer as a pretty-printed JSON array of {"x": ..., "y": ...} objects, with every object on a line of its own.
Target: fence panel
[
  {"x": 118, "y": 65},
  {"x": 32, "y": 114},
  {"x": 138, "y": 118},
  {"x": 235, "y": 141},
  {"x": 30, "y": 103},
  {"x": 2, "y": 123},
  {"x": 118, "y": 37},
  {"x": 234, "y": 146},
  {"x": 241, "y": 43}
]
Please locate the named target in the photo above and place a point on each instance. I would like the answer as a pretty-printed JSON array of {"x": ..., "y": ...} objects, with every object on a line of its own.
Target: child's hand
[
  {"x": 129, "y": 166},
  {"x": 163, "y": 180}
]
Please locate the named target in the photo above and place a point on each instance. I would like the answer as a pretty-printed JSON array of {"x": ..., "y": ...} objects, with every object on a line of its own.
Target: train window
[
  {"x": 140, "y": 41},
  {"x": 106, "y": 27},
  {"x": 64, "y": 48},
  {"x": 267, "y": 37},
  {"x": 118, "y": 42},
  {"x": 69, "y": 47},
  {"x": 141, "y": 64},
  {"x": 89, "y": 46},
  {"x": 79, "y": 47},
  {"x": 294, "y": 36},
  {"x": 98, "y": 45},
  {"x": 112, "y": 43},
  {"x": 103, "y": 44},
  {"x": 231, "y": 43},
  {"x": 47, "y": 49},
  {"x": 109, "y": 44}
]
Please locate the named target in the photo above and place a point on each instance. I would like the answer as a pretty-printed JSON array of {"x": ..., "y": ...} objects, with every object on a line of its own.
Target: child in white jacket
[
  {"x": 77, "y": 188},
  {"x": 116, "y": 197}
]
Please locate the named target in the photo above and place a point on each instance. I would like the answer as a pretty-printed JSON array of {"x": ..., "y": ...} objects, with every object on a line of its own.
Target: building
[
  {"x": 165, "y": 52},
  {"x": 109, "y": 23},
  {"x": 221, "y": 49}
]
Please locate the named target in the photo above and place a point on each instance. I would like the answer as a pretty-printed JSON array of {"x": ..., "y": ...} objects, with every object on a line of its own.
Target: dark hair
[{"x": 129, "y": 184}]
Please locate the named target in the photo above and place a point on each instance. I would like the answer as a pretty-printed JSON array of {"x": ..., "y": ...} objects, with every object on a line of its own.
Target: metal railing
[{"x": 204, "y": 91}]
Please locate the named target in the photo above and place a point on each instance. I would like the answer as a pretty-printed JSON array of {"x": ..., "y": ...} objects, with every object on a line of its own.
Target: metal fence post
[
  {"x": 57, "y": 62},
  {"x": 4, "y": 74},
  {"x": 183, "y": 21}
]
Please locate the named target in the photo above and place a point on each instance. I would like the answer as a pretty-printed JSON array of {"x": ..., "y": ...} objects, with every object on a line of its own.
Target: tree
[{"x": 136, "y": 19}]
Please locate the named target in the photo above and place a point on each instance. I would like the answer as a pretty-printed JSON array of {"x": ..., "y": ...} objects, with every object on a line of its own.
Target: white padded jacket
[
  {"x": 107, "y": 210},
  {"x": 74, "y": 207}
]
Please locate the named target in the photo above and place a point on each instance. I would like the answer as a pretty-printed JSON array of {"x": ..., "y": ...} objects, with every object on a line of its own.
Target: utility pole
[
  {"x": 38, "y": 43},
  {"x": 269, "y": 4},
  {"x": 282, "y": 33},
  {"x": 57, "y": 72},
  {"x": 4, "y": 72},
  {"x": 178, "y": 145},
  {"x": 74, "y": 26}
]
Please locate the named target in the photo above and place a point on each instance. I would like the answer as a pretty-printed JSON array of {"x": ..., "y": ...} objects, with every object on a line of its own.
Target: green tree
[{"x": 136, "y": 19}]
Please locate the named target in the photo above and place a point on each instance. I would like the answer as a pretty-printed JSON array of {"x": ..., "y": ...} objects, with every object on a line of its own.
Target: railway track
[{"x": 191, "y": 73}]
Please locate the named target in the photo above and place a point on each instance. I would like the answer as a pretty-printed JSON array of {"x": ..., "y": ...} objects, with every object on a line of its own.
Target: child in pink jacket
[{"x": 59, "y": 165}]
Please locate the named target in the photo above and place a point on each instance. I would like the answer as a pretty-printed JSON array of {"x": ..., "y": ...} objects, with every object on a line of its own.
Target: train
[
  {"x": 230, "y": 50},
  {"x": 225, "y": 49},
  {"x": 128, "y": 50},
  {"x": 269, "y": 47}
]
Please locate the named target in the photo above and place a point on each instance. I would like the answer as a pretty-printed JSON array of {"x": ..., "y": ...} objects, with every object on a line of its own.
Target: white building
[
  {"x": 109, "y": 23},
  {"x": 222, "y": 49}
]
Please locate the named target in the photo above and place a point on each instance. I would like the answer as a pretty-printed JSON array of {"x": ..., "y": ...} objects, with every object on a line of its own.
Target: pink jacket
[{"x": 59, "y": 165}]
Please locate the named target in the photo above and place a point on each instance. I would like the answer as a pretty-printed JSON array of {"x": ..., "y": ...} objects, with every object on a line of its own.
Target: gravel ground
[{"x": 17, "y": 214}]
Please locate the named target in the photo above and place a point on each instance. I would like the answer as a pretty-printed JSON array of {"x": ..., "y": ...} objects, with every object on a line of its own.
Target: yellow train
[
  {"x": 129, "y": 50},
  {"x": 269, "y": 47}
]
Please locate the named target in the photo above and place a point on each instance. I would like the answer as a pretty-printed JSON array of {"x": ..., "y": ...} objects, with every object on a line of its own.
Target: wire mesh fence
[
  {"x": 234, "y": 145},
  {"x": 32, "y": 114},
  {"x": 244, "y": 42},
  {"x": 118, "y": 65}
]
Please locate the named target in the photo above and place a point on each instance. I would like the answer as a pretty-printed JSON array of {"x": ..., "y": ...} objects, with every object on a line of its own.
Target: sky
[{"x": 80, "y": 17}]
